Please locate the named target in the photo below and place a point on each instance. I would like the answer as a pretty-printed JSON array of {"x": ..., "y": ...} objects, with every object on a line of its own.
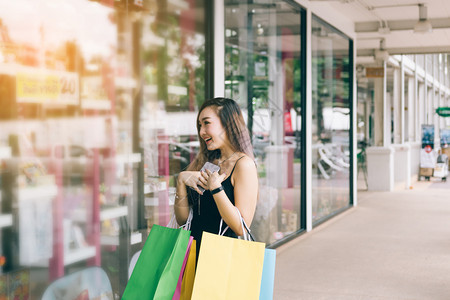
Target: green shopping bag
[{"x": 158, "y": 268}]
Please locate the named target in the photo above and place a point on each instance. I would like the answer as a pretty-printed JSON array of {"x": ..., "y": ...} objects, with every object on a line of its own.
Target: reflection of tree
[{"x": 180, "y": 61}]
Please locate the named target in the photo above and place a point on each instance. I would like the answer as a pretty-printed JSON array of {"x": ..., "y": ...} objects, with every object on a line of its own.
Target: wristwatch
[{"x": 215, "y": 191}]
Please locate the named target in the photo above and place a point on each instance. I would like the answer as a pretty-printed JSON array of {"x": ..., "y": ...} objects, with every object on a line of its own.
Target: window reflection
[
  {"x": 262, "y": 72},
  {"x": 330, "y": 120},
  {"x": 95, "y": 99}
]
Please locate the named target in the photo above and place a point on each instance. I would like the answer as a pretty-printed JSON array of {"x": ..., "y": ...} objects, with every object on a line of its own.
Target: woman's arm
[
  {"x": 181, "y": 206},
  {"x": 245, "y": 195}
]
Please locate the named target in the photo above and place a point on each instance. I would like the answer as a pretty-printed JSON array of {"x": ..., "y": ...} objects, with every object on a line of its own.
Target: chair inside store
[{"x": 90, "y": 283}]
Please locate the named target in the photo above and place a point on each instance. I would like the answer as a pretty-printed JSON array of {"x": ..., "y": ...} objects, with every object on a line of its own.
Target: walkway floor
[{"x": 393, "y": 245}]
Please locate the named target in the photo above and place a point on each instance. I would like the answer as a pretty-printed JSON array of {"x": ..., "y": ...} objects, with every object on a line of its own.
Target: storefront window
[
  {"x": 95, "y": 97},
  {"x": 330, "y": 120},
  {"x": 263, "y": 73}
]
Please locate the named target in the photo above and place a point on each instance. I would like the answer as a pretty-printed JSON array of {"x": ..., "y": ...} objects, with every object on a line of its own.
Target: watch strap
[{"x": 215, "y": 191}]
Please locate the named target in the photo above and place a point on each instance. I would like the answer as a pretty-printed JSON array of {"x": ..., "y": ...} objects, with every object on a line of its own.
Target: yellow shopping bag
[
  {"x": 228, "y": 269},
  {"x": 189, "y": 274}
]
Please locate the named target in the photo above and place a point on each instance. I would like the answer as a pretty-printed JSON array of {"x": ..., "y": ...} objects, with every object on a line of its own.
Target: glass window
[
  {"x": 263, "y": 73},
  {"x": 330, "y": 120},
  {"x": 94, "y": 99}
]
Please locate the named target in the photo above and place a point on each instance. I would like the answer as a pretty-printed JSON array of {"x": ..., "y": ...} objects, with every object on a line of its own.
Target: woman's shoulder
[
  {"x": 244, "y": 168},
  {"x": 244, "y": 162}
]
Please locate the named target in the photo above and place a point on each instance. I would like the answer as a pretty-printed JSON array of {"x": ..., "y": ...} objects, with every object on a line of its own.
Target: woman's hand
[
  {"x": 192, "y": 179},
  {"x": 212, "y": 180}
]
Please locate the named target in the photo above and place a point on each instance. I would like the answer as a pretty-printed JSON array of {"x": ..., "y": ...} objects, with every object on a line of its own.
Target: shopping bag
[
  {"x": 268, "y": 275},
  {"x": 176, "y": 295},
  {"x": 189, "y": 274},
  {"x": 156, "y": 273},
  {"x": 228, "y": 269}
]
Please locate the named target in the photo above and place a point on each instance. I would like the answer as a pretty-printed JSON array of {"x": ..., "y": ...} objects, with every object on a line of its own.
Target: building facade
[{"x": 98, "y": 116}]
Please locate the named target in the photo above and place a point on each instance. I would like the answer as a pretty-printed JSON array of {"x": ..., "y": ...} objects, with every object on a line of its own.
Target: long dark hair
[{"x": 232, "y": 121}]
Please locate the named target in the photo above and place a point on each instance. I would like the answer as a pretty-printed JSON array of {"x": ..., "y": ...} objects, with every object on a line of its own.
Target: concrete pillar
[
  {"x": 429, "y": 105},
  {"x": 416, "y": 103},
  {"x": 435, "y": 118},
  {"x": 415, "y": 158},
  {"x": 402, "y": 165},
  {"x": 382, "y": 110},
  {"x": 402, "y": 161},
  {"x": 411, "y": 109},
  {"x": 422, "y": 109},
  {"x": 380, "y": 161},
  {"x": 396, "y": 103}
]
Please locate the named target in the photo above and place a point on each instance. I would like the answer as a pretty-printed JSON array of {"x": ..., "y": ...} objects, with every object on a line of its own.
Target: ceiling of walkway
[{"x": 400, "y": 16}]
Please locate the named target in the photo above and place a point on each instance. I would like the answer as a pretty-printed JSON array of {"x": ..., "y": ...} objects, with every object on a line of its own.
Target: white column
[
  {"x": 436, "y": 117},
  {"x": 402, "y": 162},
  {"x": 396, "y": 103},
  {"x": 411, "y": 109},
  {"x": 380, "y": 166},
  {"x": 219, "y": 48},
  {"x": 402, "y": 103},
  {"x": 380, "y": 159},
  {"x": 422, "y": 108},
  {"x": 381, "y": 111},
  {"x": 429, "y": 102},
  {"x": 416, "y": 104},
  {"x": 308, "y": 129},
  {"x": 402, "y": 165},
  {"x": 415, "y": 142}
]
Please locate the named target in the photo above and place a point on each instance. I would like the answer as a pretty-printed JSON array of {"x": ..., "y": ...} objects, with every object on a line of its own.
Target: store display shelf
[
  {"x": 5, "y": 220},
  {"x": 154, "y": 188},
  {"x": 5, "y": 152},
  {"x": 151, "y": 201},
  {"x": 80, "y": 214},
  {"x": 96, "y": 104},
  {"x": 128, "y": 189},
  {"x": 128, "y": 158},
  {"x": 46, "y": 191},
  {"x": 151, "y": 89},
  {"x": 77, "y": 255},
  {"x": 114, "y": 212},
  {"x": 70, "y": 257},
  {"x": 109, "y": 240},
  {"x": 113, "y": 240},
  {"x": 147, "y": 189}
]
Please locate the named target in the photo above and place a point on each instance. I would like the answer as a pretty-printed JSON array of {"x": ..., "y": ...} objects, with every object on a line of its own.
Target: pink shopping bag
[{"x": 176, "y": 295}]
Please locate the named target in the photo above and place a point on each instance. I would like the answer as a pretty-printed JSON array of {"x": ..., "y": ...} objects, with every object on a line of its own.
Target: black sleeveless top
[{"x": 206, "y": 215}]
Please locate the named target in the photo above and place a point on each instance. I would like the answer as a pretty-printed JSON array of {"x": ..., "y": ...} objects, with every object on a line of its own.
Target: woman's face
[{"x": 211, "y": 130}]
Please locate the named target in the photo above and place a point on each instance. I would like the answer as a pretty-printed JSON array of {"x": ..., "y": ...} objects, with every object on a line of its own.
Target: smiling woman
[{"x": 224, "y": 141}]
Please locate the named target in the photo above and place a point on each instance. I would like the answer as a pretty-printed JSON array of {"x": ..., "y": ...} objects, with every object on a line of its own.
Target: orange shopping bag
[{"x": 189, "y": 274}]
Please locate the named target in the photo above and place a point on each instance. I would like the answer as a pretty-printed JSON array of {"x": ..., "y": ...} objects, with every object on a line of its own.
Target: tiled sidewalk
[{"x": 393, "y": 245}]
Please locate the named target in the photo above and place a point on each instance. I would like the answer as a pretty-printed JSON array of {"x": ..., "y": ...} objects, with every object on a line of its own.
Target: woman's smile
[{"x": 208, "y": 141}]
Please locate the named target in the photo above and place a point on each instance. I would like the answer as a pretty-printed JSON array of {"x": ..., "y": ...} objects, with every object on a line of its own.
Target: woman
[{"x": 224, "y": 141}]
